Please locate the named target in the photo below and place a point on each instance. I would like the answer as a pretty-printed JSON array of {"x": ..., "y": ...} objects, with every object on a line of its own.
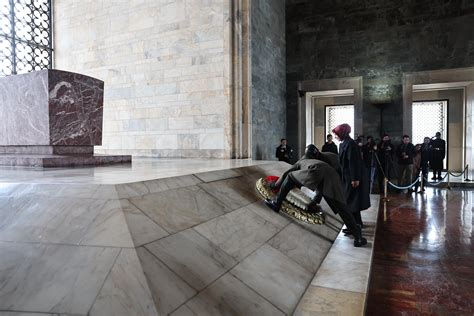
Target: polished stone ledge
[
  {"x": 340, "y": 285},
  {"x": 58, "y": 161},
  {"x": 47, "y": 150},
  {"x": 142, "y": 169}
]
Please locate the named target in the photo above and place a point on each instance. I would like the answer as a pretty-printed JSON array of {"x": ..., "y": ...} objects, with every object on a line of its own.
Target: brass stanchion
[
  {"x": 466, "y": 176},
  {"x": 385, "y": 187}
]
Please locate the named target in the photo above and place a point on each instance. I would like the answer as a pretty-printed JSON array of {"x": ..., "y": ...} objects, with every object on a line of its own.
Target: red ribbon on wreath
[{"x": 270, "y": 179}]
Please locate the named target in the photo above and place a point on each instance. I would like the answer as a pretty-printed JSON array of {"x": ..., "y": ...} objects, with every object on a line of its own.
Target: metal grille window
[
  {"x": 429, "y": 117},
  {"x": 25, "y": 36},
  {"x": 339, "y": 114}
]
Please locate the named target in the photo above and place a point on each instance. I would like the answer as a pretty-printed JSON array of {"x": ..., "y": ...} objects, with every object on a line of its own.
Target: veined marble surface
[
  {"x": 141, "y": 169},
  {"x": 174, "y": 236},
  {"x": 51, "y": 107}
]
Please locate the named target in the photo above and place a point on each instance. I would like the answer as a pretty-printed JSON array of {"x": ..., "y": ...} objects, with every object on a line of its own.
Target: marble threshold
[{"x": 340, "y": 285}]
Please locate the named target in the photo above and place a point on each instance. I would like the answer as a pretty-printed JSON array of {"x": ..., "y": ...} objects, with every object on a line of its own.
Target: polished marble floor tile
[
  {"x": 48, "y": 219},
  {"x": 228, "y": 296},
  {"x": 339, "y": 271},
  {"x": 301, "y": 245},
  {"x": 344, "y": 247},
  {"x": 211, "y": 176},
  {"x": 179, "y": 209},
  {"x": 142, "y": 229},
  {"x": 71, "y": 190},
  {"x": 109, "y": 228},
  {"x": 134, "y": 189},
  {"x": 324, "y": 301},
  {"x": 52, "y": 278},
  {"x": 238, "y": 233},
  {"x": 125, "y": 291},
  {"x": 274, "y": 276},
  {"x": 234, "y": 193},
  {"x": 168, "y": 290},
  {"x": 192, "y": 257},
  {"x": 423, "y": 256},
  {"x": 269, "y": 215}
]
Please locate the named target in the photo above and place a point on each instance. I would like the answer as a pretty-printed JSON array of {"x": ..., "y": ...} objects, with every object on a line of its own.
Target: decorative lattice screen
[
  {"x": 427, "y": 119},
  {"x": 338, "y": 114},
  {"x": 25, "y": 36}
]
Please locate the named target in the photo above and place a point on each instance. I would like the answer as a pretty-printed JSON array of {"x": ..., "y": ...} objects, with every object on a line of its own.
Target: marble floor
[
  {"x": 141, "y": 169},
  {"x": 159, "y": 237},
  {"x": 424, "y": 255}
]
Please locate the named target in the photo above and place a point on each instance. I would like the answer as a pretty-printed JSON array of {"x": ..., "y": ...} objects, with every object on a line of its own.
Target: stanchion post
[
  {"x": 422, "y": 183},
  {"x": 385, "y": 188},
  {"x": 449, "y": 185},
  {"x": 466, "y": 176}
]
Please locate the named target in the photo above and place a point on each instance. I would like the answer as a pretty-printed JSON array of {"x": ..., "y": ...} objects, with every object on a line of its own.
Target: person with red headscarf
[{"x": 354, "y": 179}]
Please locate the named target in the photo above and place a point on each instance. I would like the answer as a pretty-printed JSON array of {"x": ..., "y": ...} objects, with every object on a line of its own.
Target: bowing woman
[{"x": 354, "y": 180}]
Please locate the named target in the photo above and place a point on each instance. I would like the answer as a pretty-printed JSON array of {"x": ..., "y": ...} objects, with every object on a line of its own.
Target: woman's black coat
[{"x": 350, "y": 157}]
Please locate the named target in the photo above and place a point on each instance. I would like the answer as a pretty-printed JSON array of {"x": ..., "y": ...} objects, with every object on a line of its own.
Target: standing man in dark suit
[
  {"x": 438, "y": 153},
  {"x": 329, "y": 145},
  {"x": 284, "y": 152}
]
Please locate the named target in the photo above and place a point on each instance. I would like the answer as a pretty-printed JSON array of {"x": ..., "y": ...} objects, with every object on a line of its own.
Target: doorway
[
  {"x": 336, "y": 115},
  {"x": 428, "y": 118},
  {"x": 457, "y": 86},
  {"x": 314, "y": 95}
]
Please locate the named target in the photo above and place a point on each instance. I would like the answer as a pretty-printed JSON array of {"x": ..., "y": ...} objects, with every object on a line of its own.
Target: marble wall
[
  {"x": 378, "y": 40},
  {"x": 268, "y": 53},
  {"x": 166, "y": 70}
]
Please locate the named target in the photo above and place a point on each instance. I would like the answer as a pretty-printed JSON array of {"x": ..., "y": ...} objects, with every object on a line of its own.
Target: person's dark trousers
[
  {"x": 285, "y": 188},
  {"x": 372, "y": 176},
  {"x": 424, "y": 173},
  {"x": 358, "y": 218},
  {"x": 347, "y": 217}
]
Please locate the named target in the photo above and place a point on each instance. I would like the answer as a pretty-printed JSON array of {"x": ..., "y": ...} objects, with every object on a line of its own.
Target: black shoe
[
  {"x": 434, "y": 178},
  {"x": 347, "y": 231},
  {"x": 359, "y": 242},
  {"x": 271, "y": 204}
]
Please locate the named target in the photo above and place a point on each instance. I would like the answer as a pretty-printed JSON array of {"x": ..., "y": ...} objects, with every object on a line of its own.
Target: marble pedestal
[{"x": 52, "y": 118}]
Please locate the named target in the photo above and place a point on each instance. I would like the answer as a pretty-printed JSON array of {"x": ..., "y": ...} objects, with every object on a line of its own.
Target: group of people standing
[{"x": 380, "y": 158}]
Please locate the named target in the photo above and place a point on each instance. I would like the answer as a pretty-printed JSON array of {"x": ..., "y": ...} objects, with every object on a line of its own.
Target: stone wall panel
[{"x": 164, "y": 67}]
